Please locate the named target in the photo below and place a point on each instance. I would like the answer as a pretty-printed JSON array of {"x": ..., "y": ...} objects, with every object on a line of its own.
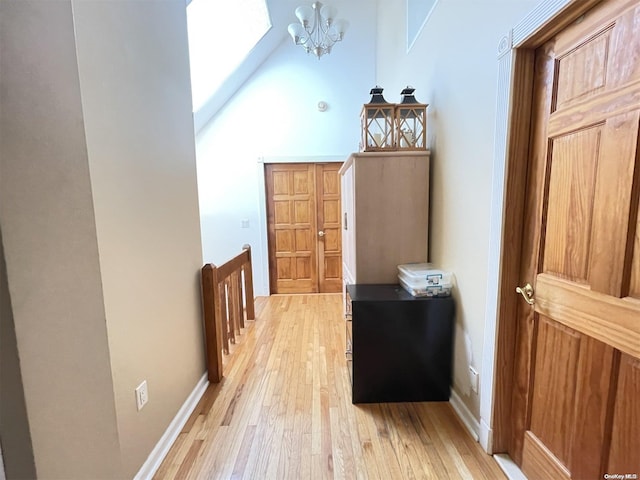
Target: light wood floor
[{"x": 283, "y": 411}]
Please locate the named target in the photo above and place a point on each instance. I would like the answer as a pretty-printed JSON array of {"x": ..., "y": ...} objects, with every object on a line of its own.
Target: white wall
[
  {"x": 453, "y": 66},
  {"x": 275, "y": 115}
]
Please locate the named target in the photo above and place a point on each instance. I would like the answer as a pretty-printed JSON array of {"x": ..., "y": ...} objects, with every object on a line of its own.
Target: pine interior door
[
  {"x": 575, "y": 404},
  {"x": 303, "y": 215}
]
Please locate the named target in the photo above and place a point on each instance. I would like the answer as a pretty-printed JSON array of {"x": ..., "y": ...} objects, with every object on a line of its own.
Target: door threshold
[{"x": 509, "y": 467}]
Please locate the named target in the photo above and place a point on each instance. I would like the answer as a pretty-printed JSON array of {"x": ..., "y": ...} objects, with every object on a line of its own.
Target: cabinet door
[{"x": 389, "y": 213}]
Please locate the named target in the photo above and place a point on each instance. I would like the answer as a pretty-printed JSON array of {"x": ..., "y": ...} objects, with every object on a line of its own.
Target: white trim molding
[
  {"x": 540, "y": 16},
  {"x": 157, "y": 455},
  {"x": 509, "y": 467},
  {"x": 496, "y": 224},
  {"x": 464, "y": 414}
]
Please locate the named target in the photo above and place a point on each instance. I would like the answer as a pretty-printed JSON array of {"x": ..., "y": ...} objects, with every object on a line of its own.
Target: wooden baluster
[
  {"x": 237, "y": 291},
  {"x": 248, "y": 284},
  {"x": 230, "y": 309},
  {"x": 224, "y": 317},
  {"x": 213, "y": 328}
]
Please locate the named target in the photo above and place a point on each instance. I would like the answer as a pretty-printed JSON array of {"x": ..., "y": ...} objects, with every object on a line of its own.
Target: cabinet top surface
[
  {"x": 391, "y": 155},
  {"x": 386, "y": 292}
]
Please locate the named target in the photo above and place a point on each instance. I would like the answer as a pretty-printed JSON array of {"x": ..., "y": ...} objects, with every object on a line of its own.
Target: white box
[
  {"x": 416, "y": 274},
  {"x": 423, "y": 289}
]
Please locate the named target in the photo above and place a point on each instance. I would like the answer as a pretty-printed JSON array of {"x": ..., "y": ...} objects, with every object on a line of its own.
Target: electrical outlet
[
  {"x": 473, "y": 379},
  {"x": 244, "y": 223},
  {"x": 142, "y": 395}
]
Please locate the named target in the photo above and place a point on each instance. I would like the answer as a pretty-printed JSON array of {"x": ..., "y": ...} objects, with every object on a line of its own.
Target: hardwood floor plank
[
  {"x": 283, "y": 411},
  {"x": 243, "y": 454},
  {"x": 189, "y": 460}
]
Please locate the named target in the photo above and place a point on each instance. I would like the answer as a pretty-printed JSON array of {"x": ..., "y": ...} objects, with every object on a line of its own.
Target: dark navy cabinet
[{"x": 399, "y": 347}]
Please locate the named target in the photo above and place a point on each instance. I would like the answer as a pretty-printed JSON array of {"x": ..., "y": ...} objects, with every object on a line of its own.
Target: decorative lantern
[
  {"x": 411, "y": 122},
  {"x": 377, "y": 123}
]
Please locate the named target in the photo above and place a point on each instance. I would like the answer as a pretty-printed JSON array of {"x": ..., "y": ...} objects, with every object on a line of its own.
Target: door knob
[
  {"x": 527, "y": 293},
  {"x": 321, "y": 233}
]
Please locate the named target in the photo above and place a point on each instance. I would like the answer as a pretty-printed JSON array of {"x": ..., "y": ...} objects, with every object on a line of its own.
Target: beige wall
[
  {"x": 453, "y": 66},
  {"x": 15, "y": 438},
  {"x": 51, "y": 249},
  {"x": 136, "y": 98},
  {"x": 99, "y": 213}
]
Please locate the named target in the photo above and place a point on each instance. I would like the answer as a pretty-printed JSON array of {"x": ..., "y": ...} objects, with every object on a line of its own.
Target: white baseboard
[
  {"x": 465, "y": 415},
  {"x": 486, "y": 437},
  {"x": 161, "y": 449},
  {"x": 509, "y": 467}
]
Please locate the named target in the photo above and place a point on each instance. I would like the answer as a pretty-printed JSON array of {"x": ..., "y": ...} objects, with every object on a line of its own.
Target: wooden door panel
[
  {"x": 284, "y": 241},
  {"x": 303, "y": 269},
  {"x": 625, "y": 440},
  {"x": 588, "y": 233},
  {"x": 280, "y": 182},
  {"x": 617, "y": 185},
  {"x": 625, "y": 38},
  {"x": 538, "y": 461},
  {"x": 332, "y": 268},
  {"x": 332, "y": 239},
  {"x": 302, "y": 211},
  {"x": 304, "y": 239},
  {"x": 302, "y": 182},
  {"x": 552, "y": 407},
  {"x": 582, "y": 71},
  {"x": 574, "y": 160},
  {"x": 589, "y": 439},
  {"x": 284, "y": 268},
  {"x": 575, "y": 386},
  {"x": 282, "y": 212}
]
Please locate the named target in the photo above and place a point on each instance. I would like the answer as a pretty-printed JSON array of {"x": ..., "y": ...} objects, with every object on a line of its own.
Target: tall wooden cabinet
[{"x": 385, "y": 214}]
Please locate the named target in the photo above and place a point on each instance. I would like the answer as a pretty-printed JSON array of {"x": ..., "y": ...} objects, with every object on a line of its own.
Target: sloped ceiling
[{"x": 282, "y": 14}]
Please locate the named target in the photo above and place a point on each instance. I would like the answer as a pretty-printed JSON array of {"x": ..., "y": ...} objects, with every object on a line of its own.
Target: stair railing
[{"x": 227, "y": 294}]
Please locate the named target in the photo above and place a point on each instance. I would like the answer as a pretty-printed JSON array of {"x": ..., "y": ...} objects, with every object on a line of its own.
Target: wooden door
[
  {"x": 329, "y": 224},
  {"x": 575, "y": 405},
  {"x": 303, "y": 215}
]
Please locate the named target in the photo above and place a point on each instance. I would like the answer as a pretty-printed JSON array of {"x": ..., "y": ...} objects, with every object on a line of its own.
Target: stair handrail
[{"x": 224, "y": 306}]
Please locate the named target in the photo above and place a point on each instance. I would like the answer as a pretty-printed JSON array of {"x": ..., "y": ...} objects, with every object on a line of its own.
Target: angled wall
[
  {"x": 136, "y": 100},
  {"x": 51, "y": 249}
]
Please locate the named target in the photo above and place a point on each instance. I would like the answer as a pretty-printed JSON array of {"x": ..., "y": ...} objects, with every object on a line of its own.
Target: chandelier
[{"x": 318, "y": 29}]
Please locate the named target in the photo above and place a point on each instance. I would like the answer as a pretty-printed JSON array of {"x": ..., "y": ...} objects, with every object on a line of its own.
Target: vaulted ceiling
[{"x": 281, "y": 13}]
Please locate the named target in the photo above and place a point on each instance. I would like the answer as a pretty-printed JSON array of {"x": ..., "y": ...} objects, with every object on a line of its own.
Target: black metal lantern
[
  {"x": 377, "y": 121},
  {"x": 410, "y": 122}
]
